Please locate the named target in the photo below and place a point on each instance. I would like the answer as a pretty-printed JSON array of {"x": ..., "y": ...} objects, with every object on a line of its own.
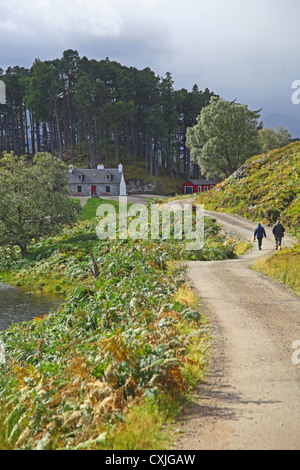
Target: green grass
[
  {"x": 89, "y": 210},
  {"x": 283, "y": 266}
]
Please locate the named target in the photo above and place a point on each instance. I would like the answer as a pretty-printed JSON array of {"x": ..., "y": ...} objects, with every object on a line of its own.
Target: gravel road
[{"x": 251, "y": 397}]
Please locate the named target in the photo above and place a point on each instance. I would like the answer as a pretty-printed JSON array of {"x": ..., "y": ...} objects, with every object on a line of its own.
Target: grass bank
[{"x": 283, "y": 266}]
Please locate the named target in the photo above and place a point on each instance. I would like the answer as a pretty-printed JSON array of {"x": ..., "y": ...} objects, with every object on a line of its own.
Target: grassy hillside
[{"x": 265, "y": 188}]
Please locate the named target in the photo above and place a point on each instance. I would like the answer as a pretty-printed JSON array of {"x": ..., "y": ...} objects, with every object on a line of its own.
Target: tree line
[{"x": 82, "y": 105}]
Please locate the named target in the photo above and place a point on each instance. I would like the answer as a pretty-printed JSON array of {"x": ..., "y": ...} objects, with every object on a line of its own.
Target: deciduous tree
[
  {"x": 225, "y": 136},
  {"x": 34, "y": 199},
  {"x": 270, "y": 139}
]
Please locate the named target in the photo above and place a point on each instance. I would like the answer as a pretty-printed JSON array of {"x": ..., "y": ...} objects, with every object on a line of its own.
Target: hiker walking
[
  {"x": 278, "y": 232},
  {"x": 259, "y": 233}
]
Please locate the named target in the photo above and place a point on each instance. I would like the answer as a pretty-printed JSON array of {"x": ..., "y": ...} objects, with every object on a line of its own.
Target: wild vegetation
[
  {"x": 77, "y": 108},
  {"x": 265, "y": 188},
  {"x": 119, "y": 356},
  {"x": 270, "y": 139},
  {"x": 226, "y": 134},
  {"x": 34, "y": 199}
]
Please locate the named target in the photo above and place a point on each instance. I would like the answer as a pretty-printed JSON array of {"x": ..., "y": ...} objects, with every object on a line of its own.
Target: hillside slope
[{"x": 266, "y": 187}]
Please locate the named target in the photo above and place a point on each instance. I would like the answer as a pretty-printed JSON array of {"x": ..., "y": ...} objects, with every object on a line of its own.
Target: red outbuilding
[{"x": 197, "y": 186}]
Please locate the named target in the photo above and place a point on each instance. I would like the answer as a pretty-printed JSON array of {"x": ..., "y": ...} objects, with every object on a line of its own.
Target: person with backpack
[
  {"x": 278, "y": 232},
  {"x": 259, "y": 234}
]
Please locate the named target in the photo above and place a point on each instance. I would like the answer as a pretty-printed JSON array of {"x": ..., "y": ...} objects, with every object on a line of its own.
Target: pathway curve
[{"x": 251, "y": 397}]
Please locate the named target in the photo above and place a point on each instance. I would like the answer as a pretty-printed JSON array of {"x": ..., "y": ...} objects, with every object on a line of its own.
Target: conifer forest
[{"x": 84, "y": 105}]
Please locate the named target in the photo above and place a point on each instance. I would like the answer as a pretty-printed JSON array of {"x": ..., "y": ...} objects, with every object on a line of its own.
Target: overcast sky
[{"x": 241, "y": 49}]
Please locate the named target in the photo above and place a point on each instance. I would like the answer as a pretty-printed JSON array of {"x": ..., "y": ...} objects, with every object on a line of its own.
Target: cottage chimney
[
  {"x": 100, "y": 167},
  {"x": 120, "y": 168}
]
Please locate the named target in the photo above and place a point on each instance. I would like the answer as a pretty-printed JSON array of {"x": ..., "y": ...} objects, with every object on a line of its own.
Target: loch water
[{"x": 18, "y": 305}]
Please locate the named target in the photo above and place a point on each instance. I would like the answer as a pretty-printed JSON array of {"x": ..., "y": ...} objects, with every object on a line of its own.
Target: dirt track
[{"x": 251, "y": 398}]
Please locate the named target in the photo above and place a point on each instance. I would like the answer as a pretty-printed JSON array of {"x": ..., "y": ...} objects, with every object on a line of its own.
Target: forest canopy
[{"x": 82, "y": 104}]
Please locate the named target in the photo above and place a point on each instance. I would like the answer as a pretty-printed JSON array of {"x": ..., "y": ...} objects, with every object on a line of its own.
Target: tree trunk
[
  {"x": 52, "y": 145},
  {"x": 22, "y": 133},
  {"x": 150, "y": 155},
  {"x": 58, "y": 131},
  {"x": 23, "y": 249},
  {"x": 134, "y": 146},
  {"x": 26, "y": 129},
  {"x": 13, "y": 130},
  {"x": 71, "y": 114},
  {"x": 106, "y": 153},
  {"x": 116, "y": 135},
  {"x": 127, "y": 136},
  {"x": 95, "y": 269},
  {"x": 65, "y": 116},
  {"x": 156, "y": 157},
  {"x": 32, "y": 133},
  {"x": 188, "y": 164},
  {"x": 38, "y": 137}
]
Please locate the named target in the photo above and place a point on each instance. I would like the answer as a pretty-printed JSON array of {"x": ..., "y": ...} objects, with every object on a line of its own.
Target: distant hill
[{"x": 266, "y": 187}]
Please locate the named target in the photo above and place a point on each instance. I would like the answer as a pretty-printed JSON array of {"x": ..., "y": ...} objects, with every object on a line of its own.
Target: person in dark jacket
[
  {"x": 259, "y": 234},
  {"x": 278, "y": 232}
]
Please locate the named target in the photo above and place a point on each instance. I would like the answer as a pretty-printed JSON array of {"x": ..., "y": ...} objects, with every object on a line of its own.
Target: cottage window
[
  {"x": 199, "y": 189},
  {"x": 80, "y": 177},
  {"x": 108, "y": 189},
  {"x": 205, "y": 188},
  {"x": 79, "y": 189},
  {"x": 108, "y": 176}
]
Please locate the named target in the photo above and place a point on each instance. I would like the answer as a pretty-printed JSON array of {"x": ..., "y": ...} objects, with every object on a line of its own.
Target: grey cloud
[{"x": 246, "y": 50}]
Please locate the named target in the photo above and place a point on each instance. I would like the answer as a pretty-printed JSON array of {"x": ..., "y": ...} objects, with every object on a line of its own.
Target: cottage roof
[
  {"x": 201, "y": 182},
  {"x": 95, "y": 176}
]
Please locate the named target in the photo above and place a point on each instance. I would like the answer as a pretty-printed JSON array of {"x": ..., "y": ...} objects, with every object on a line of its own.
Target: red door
[{"x": 93, "y": 190}]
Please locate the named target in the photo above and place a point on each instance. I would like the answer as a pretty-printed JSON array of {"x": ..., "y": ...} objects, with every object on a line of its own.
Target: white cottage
[{"x": 97, "y": 182}]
